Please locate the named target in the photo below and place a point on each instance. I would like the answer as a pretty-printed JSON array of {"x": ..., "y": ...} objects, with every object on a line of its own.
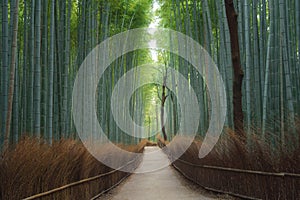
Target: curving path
[{"x": 163, "y": 184}]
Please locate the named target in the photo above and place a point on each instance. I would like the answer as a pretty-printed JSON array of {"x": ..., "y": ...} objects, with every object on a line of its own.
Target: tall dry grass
[
  {"x": 258, "y": 155},
  {"x": 31, "y": 168},
  {"x": 231, "y": 152}
]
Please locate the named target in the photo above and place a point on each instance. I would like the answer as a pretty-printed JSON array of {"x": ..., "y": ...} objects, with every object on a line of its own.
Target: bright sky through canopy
[{"x": 154, "y": 24}]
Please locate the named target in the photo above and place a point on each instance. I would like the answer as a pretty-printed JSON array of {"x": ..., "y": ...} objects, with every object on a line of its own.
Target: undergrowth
[
  {"x": 32, "y": 167},
  {"x": 255, "y": 155}
]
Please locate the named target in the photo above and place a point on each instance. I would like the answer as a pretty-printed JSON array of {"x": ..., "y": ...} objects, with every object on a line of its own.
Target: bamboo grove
[
  {"x": 268, "y": 34},
  {"x": 53, "y": 38}
]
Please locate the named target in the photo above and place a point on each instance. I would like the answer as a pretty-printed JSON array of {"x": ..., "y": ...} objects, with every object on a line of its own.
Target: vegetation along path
[{"x": 165, "y": 183}]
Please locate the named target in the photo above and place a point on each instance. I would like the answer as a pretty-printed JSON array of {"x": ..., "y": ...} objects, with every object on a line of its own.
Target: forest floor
[{"x": 165, "y": 183}]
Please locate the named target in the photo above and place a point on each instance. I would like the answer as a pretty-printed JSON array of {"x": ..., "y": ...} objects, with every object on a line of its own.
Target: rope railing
[
  {"x": 213, "y": 189},
  {"x": 110, "y": 188},
  {"x": 278, "y": 174},
  {"x": 50, "y": 192},
  {"x": 283, "y": 179}
]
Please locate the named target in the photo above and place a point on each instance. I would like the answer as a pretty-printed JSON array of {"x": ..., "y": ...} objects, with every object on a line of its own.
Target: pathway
[{"x": 163, "y": 184}]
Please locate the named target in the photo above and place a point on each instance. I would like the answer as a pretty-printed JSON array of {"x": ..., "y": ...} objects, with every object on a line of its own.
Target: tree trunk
[
  {"x": 238, "y": 72},
  {"x": 162, "y": 113}
]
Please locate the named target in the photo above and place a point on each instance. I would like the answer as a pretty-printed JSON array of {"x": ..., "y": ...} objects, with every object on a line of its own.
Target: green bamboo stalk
[
  {"x": 57, "y": 70},
  {"x": 224, "y": 54},
  {"x": 248, "y": 65},
  {"x": 275, "y": 77},
  {"x": 10, "y": 27},
  {"x": 37, "y": 72},
  {"x": 15, "y": 107},
  {"x": 267, "y": 71},
  {"x": 297, "y": 6},
  {"x": 68, "y": 65},
  {"x": 44, "y": 63},
  {"x": 50, "y": 75},
  {"x": 229, "y": 70},
  {"x": 31, "y": 48},
  {"x": 288, "y": 85},
  {"x": 4, "y": 68},
  {"x": 297, "y": 18},
  {"x": 62, "y": 69},
  {"x": 262, "y": 42},
  {"x": 12, "y": 74},
  {"x": 257, "y": 67},
  {"x": 24, "y": 70},
  {"x": 209, "y": 29}
]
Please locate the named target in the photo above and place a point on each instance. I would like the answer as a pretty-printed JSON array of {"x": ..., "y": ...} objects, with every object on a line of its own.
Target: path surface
[{"x": 163, "y": 184}]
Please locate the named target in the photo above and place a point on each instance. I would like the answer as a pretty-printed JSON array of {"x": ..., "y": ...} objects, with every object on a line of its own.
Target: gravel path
[{"x": 163, "y": 184}]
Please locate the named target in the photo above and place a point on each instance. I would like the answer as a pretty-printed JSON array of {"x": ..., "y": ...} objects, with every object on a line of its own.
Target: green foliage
[
  {"x": 51, "y": 47},
  {"x": 271, "y": 85},
  {"x": 48, "y": 60}
]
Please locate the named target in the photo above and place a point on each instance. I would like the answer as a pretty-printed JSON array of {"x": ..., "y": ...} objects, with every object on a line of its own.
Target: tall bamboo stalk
[
  {"x": 12, "y": 74},
  {"x": 50, "y": 75},
  {"x": 4, "y": 68},
  {"x": 37, "y": 71}
]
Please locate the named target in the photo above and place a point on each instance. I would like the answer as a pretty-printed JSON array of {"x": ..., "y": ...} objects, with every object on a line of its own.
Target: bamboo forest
[{"x": 150, "y": 99}]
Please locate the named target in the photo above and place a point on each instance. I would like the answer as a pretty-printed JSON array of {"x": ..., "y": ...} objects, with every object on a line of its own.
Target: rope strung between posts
[
  {"x": 80, "y": 182},
  {"x": 214, "y": 190},
  {"x": 281, "y": 174},
  {"x": 261, "y": 173}
]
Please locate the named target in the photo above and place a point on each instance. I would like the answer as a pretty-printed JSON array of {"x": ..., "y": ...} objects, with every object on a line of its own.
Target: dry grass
[
  {"x": 31, "y": 168},
  {"x": 230, "y": 152}
]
